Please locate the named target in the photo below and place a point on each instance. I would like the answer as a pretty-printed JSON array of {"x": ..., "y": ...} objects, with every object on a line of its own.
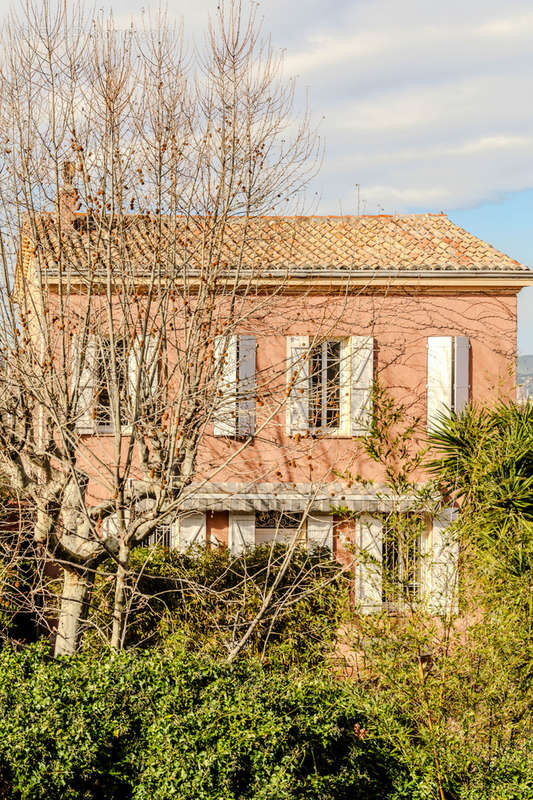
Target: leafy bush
[
  {"x": 211, "y": 598},
  {"x": 452, "y": 694},
  {"x": 163, "y": 724}
]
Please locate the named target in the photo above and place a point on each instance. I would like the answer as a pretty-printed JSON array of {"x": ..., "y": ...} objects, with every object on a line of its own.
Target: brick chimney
[{"x": 68, "y": 196}]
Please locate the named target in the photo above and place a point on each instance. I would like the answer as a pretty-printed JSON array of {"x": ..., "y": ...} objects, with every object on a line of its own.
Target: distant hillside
[
  {"x": 524, "y": 376},
  {"x": 524, "y": 367}
]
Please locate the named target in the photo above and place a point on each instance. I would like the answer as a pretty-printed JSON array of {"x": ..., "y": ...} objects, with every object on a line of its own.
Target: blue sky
[
  {"x": 507, "y": 224},
  {"x": 426, "y": 105}
]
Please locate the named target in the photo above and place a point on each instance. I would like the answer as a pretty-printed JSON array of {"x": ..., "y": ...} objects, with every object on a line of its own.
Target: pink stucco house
[{"x": 414, "y": 301}]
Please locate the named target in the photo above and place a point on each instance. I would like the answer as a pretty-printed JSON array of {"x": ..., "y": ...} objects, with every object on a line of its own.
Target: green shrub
[
  {"x": 165, "y": 724},
  {"x": 210, "y": 598}
]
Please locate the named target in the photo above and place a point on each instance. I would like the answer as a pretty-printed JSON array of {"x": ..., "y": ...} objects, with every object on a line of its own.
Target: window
[
  {"x": 325, "y": 385},
  {"x": 161, "y": 536},
  {"x": 277, "y": 526},
  {"x": 448, "y": 376},
  {"x": 104, "y": 384},
  {"x": 329, "y": 386},
  {"x": 400, "y": 564},
  {"x": 93, "y": 382}
]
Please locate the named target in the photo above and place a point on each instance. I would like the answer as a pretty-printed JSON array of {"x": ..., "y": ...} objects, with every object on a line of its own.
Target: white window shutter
[
  {"x": 320, "y": 531},
  {"x": 462, "y": 373},
  {"x": 424, "y": 565},
  {"x": 225, "y": 421},
  {"x": 110, "y": 525},
  {"x": 134, "y": 358},
  {"x": 362, "y": 367},
  {"x": 345, "y": 397},
  {"x": 297, "y": 416},
  {"x": 192, "y": 531},
  {"x": 152, "y": 366},
  {"x": 439, "y": 378},
  {"x": 148, "y": 385},
  {"x": 246, "y": 406},
  {"x": 84, "y": 366},
  {"x": 370, "y": 530},
  {"x": 241, "y": 532},
  {"x": 444, "y": 557},
  {"x": 174, "y": 534}
]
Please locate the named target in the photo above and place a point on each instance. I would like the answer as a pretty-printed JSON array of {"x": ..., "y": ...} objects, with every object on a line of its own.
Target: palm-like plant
[{"x": 485, "y": 460}]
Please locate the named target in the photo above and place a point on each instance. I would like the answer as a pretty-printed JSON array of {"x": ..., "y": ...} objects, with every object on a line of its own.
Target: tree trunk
[
  {"x": 77, "y": 588},
  {"x": 119, "y": 605}
]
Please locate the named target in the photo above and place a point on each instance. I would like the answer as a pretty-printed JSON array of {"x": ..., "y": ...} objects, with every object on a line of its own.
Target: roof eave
[{"x": 298, "y": 276}]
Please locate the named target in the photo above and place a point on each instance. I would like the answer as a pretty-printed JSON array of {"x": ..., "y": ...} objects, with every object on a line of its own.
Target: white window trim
[
  {"x": 355, "y": 401},
  {"x": 343, "y": 429}
]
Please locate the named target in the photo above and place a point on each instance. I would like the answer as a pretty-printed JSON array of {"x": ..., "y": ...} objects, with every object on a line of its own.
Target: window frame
[
  {"x": 279, "y": 533},
  {"x": 343, "y": 378},
  {"x": 101, "y": 382},
  {"x": 407, "y": 586}
]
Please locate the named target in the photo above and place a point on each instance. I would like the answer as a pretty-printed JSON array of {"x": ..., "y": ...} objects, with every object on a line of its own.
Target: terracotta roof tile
[{"x": 310, "y": 245}]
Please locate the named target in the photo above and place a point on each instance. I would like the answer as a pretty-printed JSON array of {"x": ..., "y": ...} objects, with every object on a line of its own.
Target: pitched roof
[{"x": 414, "y": 243}]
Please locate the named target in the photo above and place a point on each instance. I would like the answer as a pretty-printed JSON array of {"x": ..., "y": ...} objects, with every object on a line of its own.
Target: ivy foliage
[{"x": 163, "y": 723}]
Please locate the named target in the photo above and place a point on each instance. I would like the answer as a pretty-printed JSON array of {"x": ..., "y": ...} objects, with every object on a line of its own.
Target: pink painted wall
[
  {"x": 216, "y": 528},
  {"x": 400, "y": 325}
]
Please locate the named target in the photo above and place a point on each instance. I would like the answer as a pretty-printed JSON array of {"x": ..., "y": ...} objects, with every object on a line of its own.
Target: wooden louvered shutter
[
  {"x": 362, "y": 368},
  {"x": 192, "y": 531},
  {"x": 149, "y": 378},
  {"x": 297, "y": 416},
  {"x": 439, "y": 378},
  {"x": 462, "y": 373},
  {"x": 241, "y": 532},
  {"x": 110, "y": 524},
  {"x": 369, "y": 572},
  {"x": 246, "y": 400},
  {"x": 84, "y": 377},
  {"x": 444, "y": 556},
  {"x": 225, "y": 422},
  {"x": 320, "y": 531}
]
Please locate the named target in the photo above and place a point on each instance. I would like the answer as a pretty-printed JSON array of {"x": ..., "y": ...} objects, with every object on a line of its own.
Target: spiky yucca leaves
[{"x": 485, "y": 460}]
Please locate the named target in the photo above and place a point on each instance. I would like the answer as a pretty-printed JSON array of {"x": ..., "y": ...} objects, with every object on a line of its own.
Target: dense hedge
[{"x": 165, "y": 724}]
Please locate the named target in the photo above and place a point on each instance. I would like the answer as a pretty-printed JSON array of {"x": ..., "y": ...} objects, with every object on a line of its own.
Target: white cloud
[
  {"x": 519, "y": 25},
  {"x": 424, "y": 104}
]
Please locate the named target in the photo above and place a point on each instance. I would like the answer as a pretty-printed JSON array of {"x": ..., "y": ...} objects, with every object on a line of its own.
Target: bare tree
[{"x": 130, "y": 178}]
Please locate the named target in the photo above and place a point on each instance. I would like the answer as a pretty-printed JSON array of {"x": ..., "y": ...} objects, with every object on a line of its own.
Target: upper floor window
[
  {"x": 234, "y": 384},
  {"x": 448, "y": 376},
  {"x": 103, "y": 374},
  {"x": 325, "y": 385},
  {"x": 330, "y": 385},
  {"x": 110, "y": 381}
]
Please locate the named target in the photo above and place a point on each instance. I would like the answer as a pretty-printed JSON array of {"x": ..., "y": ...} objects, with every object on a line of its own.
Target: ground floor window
[
  {"x": 162, "y": 536},
  {"x": 401, "y": 567},
  {"x": 278, "y": 526}
]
